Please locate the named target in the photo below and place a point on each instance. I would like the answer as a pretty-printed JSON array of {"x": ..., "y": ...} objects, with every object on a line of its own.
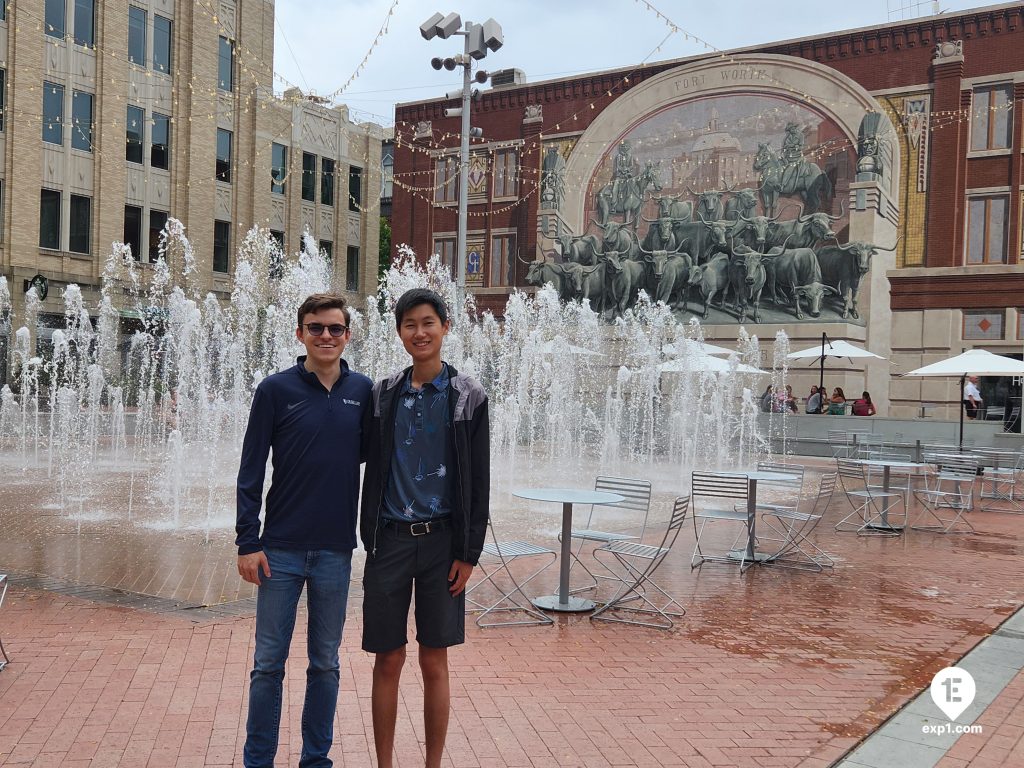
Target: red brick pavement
[{"x": 773, "y": 668}]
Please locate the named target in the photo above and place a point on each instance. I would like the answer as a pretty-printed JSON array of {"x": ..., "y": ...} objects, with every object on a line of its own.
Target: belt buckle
[{"x": 424, "y": 530}]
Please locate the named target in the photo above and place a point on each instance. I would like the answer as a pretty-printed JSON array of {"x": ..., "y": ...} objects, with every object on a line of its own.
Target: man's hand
[
  {"x": 249, "y": 567},
  {"x": 458, "y": 576}
]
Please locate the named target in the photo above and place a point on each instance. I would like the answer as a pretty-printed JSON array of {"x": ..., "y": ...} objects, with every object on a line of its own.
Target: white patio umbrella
[
  {"x": 829, "y": 348},
  {"x": 549, "y": 346},
  {"x": 690, "y": 346},
  {"x": 977, "y": 362},
  {"x": 705, "y": 363}
]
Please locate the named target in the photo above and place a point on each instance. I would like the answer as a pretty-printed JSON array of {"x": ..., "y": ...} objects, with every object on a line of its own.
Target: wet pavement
[{"x": 772, "y": 668}]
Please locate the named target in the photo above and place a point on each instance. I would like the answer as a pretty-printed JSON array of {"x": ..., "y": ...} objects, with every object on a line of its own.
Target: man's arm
[{"x": 249, "y": 488}]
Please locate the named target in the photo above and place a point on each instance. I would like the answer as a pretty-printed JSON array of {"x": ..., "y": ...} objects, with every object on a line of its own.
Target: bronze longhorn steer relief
[{"x": 843, "y": 267}]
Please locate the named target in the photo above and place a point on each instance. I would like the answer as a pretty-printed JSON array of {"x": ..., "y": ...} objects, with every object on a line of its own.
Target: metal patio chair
[
  {"x": 949, "y": 487},
  {"x": 780, "y": 492},
  {"x": 999, "y": 492},
  {"x": 723, "y": 494},
  {"x": 636, "y": 498},
  {"x": 3, "y": 593},
  {"x": 795, "y": 525},
  {"x": 841, "y": 443},
  {"x": 634, "y": 564},
  {"x": 870, "y": 504},
  {"x": 512, "y": 598}
]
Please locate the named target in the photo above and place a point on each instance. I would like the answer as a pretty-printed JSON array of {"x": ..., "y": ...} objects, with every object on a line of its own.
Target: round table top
[
  {"x": 568, "y": 495},
  {"x": 761, "y": 474},
  {"x": 895, "y": 463}
]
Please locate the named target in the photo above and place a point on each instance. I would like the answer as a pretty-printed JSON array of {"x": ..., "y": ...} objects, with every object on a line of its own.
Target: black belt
[{"x": 418, "y": 529}]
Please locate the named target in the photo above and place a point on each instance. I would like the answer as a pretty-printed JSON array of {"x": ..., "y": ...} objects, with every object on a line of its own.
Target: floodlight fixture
[
  {"x": 429, "y": 27},
  {"x": 453, "y": 112},
  {"x": 441, "y": 26},
  {"x": 476, "y": 133},
  {"x": 450, "y": 64},
  {"x": 436, "y": 62},
  {"x": 493, "y": 36},
  {"x": 481, "y": 76}
]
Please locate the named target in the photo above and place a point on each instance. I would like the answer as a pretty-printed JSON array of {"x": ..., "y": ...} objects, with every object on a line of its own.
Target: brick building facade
[
  {"x": 118, "y": 115},
  {"x": 952, "y": 85}
]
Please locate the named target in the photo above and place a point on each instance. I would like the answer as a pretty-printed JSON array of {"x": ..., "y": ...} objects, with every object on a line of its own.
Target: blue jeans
[{"x": 325, "y": 574}]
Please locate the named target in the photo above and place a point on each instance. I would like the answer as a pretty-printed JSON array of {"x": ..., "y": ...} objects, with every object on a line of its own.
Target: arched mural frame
[{"x": 823, "y": 89}]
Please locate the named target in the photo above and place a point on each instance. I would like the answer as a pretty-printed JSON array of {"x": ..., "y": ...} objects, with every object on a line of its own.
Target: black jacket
[{"x": 467, "y": 410}]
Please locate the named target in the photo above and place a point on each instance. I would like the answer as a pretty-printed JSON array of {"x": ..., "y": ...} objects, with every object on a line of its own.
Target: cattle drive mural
[{"x": 731, "y": 208}]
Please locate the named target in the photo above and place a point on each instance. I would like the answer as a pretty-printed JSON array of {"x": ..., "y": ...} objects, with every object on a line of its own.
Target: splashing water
[{"x": 163, "y": 410}]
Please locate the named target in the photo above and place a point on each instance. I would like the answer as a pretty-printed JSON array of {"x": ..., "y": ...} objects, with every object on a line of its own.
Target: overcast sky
[{"x": 320, "y": 43}]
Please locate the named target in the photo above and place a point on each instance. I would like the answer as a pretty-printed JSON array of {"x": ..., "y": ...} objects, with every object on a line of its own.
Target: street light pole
[
  {"x": 460, "y": 242},
  {"x": 480, "y": 38}
]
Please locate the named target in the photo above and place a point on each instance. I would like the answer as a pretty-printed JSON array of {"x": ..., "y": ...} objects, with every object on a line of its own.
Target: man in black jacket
[{"x": 423, "y": 517}]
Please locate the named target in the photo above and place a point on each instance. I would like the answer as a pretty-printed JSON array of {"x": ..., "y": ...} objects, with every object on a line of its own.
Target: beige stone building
[{"x": 117, "y": 115}]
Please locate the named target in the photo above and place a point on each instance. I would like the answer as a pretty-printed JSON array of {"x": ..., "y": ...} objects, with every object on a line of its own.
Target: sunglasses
[{"x": 317, "y": 329}]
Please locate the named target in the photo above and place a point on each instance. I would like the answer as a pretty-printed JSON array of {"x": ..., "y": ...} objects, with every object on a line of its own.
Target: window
[
  {"x": 3, "y": 91},
  {"x": 503, "y": 249},
  {"x": 992, "y": 117},
  {"x": 157, "y": 221},
  {"x": 986, "y": 229},
  {"x": 81, "y": 222},
  {"x": 446, "y": 178},
  {"x": 278, "y": 167},
  {"x": 81, "y": 121},
  {"x": 85, "y": 14},
  {"x": 277, "y": 256},
  {"x": 53, "y": 113},
  {"x": 327, "y": 249},
  {"x": 445, "y": 248},
  {"x": 55, "y": 17},
  {"x": 326, "y": 181},
  {"x": 133, "y": 230},
  {"x": 49, "y": 219},
  {"x": 983, "y": 324},
  {"x": 355, "y": 188},
  {"x": 308, "y": 177},
  {"x": 160, "y": 143},
  {"x": 223, "y": 155},
  {"x": 387, "y": 172},
  {"x": 137, "y": 35},
  {"x": 352, "y": 269},
  {"x": 226, "y": 65},
  {"x": 133, "y": 133},
  {"x": 221, "y": 245},
  {"x": 506, "y": 173},
  {"x": 162, "y": 44}
]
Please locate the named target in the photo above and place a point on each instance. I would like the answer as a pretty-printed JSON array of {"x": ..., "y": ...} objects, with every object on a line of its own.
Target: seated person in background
[
  {"x": 788, "y": 400},
  {"x": 837, "y": 406},
  {"x": 864, "y": 406},
  {"x": 814, "y": 400}
]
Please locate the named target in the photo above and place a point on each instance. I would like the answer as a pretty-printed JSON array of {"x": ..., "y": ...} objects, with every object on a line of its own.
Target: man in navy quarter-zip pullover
[
  {"x": 423, "y": 517},
  {"x": 309, "y": 419}
]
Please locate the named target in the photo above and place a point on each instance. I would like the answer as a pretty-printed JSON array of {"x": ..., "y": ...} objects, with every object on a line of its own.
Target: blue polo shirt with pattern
[{"x": 419, "y": 486}]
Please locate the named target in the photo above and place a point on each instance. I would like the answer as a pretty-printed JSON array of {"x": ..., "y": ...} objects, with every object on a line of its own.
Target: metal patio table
[{"x": 563, "y": 601}]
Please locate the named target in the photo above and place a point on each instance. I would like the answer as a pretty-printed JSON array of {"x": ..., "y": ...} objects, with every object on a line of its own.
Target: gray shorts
[{"x": 402, "y": 561}]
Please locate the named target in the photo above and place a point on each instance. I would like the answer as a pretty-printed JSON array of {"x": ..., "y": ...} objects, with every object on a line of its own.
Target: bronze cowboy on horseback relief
[
  {"x": 629, "y": 185},
  {"x": 791, "y": 174}
]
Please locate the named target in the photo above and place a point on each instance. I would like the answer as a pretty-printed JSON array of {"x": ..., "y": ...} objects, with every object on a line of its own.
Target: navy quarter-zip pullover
[{"x": 313, "y": 437}]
